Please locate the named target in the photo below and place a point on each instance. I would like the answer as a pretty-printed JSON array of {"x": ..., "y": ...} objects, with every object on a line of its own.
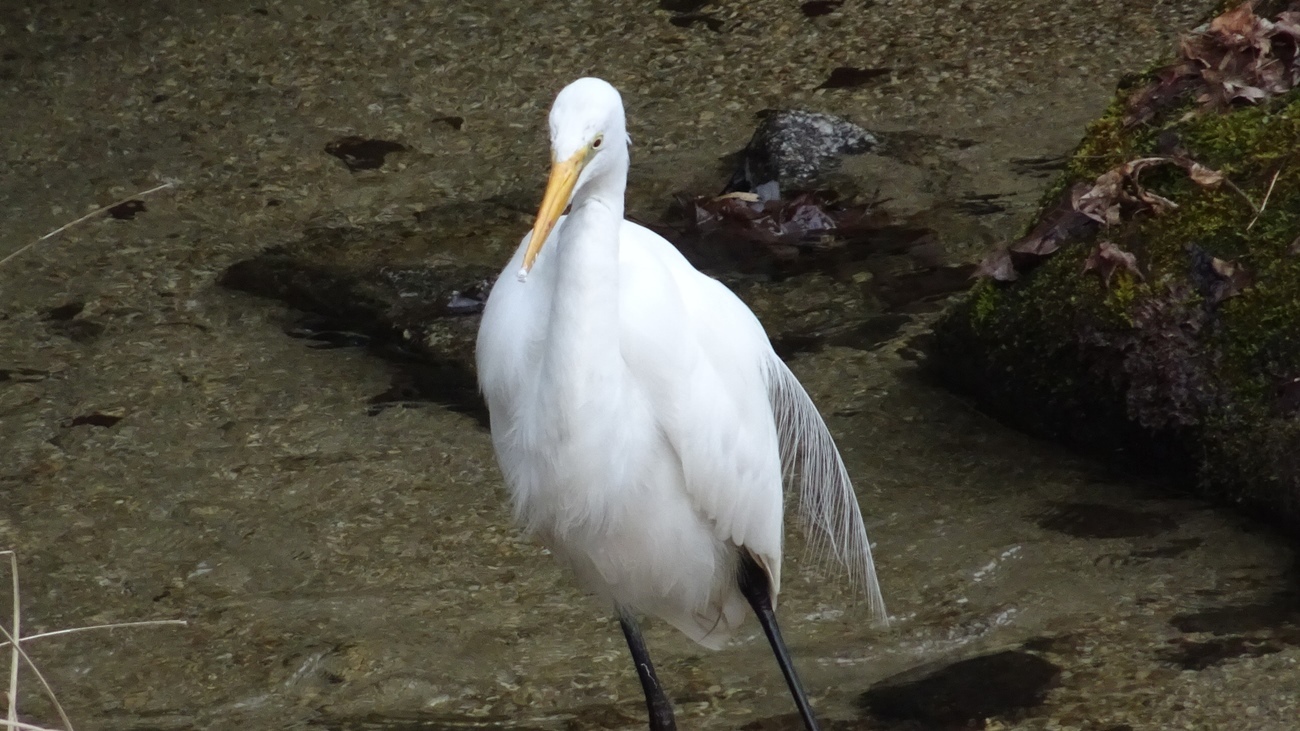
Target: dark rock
[
  {"x": 840, "y": 275},
  {"x": 386, "y": 287},
  {"x": 796, "y": 148},
  {"x": 1153, "y": 322}
]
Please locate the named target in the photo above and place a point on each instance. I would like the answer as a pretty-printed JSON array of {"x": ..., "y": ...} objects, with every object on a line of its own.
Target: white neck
[{"x": 583, "y": 329}]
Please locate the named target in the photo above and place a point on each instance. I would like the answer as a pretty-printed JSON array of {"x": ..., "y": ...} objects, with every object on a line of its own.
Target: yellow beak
[{"x": 559, "y": 189}]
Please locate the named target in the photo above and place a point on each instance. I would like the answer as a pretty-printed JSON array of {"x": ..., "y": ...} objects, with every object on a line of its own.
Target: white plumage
[{"x": 644, "y": 426}]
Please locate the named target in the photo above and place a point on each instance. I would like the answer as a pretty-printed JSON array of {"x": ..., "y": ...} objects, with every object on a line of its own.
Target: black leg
[
  {"x": 755, "y": 587},
  {"x": 661, "y": 711}
]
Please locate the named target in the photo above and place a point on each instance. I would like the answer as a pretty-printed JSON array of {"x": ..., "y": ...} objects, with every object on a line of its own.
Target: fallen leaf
[
  {"x": 451, "y": 121},
  {"x": 997, "y": 266},
  {"x": 682, "y": 6},
  {"x": 814, "y": 8},
  {"x": 1241, "y": 28},
  {"x": 805, "y": 216},
  {"x": 1239, "y": 57},
  {"x": 1060, "y": 224},
  {"x": 105, "y": 418},
  {"x": 1287, "y": 24},
  {"x": 1233, "y": 278},
  {"x": 1108, "y": 259},
  {"x": 1202, "y": 175},
  {"x": 360, "y": 153},
  {"x": 1105, "y": 199},
  {"x": 127, "y": 210},
  {"x": 1157, "y": 203},
  {"x": 847, "y": 77},
  {"x": 1036, "y": 246},
  {"x": 65, "y": 312},
  {"x": 1216, "y": 279},
  {"x": 1101, "y": 202}
]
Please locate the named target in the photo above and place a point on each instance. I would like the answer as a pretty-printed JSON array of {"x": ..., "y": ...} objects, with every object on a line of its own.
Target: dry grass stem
[
  {"x": 1245, "y": 197},
  {"x": 1262, "y": 206},
  {"x": 40, "y": 677},
  {"x": 113, "y": 625},
  {"x": 12, "y": 717},
  {"x": 87, "y": 217},
  {"x": 18, "y": 655},
  {"x": 24, "y": 726}
]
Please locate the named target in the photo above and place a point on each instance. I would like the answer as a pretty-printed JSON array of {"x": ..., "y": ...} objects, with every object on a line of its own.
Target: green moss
[
  {"x": 1106, "y": 144},
  {"x": 984, "y": 301},
  {"x": 1160, "y": 367}
]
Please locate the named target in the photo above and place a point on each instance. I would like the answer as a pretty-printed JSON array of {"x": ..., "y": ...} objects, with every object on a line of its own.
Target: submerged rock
[
  {"x": 795, "y": 148},
  {"x": 387, "y": 287},
  {"x": 1151, "y": 314},
  {"x": 816, "y": 272}
]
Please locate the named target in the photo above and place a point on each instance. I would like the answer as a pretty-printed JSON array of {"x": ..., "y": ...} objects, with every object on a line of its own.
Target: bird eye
[{"x": 596, "y": 143}]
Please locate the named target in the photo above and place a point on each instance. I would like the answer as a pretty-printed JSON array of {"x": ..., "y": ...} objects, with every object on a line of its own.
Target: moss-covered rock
[{"x": 1188, "y": 364}]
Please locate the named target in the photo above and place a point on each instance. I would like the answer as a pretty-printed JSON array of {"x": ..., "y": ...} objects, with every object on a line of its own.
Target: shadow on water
[
  {"x": 388, "y": 288},
  {"x": 1266, "y": 626},
  {"x": 404, "y": 291},
  {"x": 418, "y": 379},
  {"x": 966, "y": 693},
  {"x": 1096, "y": 520}
]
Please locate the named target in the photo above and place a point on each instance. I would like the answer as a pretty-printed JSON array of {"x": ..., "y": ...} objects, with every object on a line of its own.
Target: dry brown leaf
[
  {"x": 1108, "y": 259},
  {"x": 1238, "y": 57},
  {"x": 1233, "y": 278},
  {"x": 1036, "y": 245},
  {"x": 1157, "y": 203},
  {"x": 997, "y": 266},
  {"x": 1104, "y": 201},
  {"x": 1216, "y": 279},
  {"x": 1202, "y": 175},
  {"x": 1101, "y": 202}
]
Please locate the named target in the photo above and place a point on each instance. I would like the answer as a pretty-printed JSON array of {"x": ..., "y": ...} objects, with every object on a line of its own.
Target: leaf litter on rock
[
  {"x": 1238, "y": 57},
  {"x": 1114, "y": 196}
]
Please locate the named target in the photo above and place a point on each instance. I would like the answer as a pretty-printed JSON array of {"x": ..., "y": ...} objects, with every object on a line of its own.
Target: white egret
[{"x": 644, "y": 426}]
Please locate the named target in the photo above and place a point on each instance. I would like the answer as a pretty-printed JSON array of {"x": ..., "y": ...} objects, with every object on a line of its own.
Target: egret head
[{"x": 588, "y": 142}]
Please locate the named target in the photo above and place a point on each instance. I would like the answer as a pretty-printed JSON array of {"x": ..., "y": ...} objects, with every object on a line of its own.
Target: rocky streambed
[{"x": 345, "y": 562}]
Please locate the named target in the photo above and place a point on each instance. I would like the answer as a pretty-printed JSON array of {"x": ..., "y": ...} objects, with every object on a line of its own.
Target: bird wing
[{"x": 737, "y": 417}]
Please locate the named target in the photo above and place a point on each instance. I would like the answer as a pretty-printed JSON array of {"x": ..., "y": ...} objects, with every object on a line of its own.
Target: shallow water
[{"x": 171, "y": 453}]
